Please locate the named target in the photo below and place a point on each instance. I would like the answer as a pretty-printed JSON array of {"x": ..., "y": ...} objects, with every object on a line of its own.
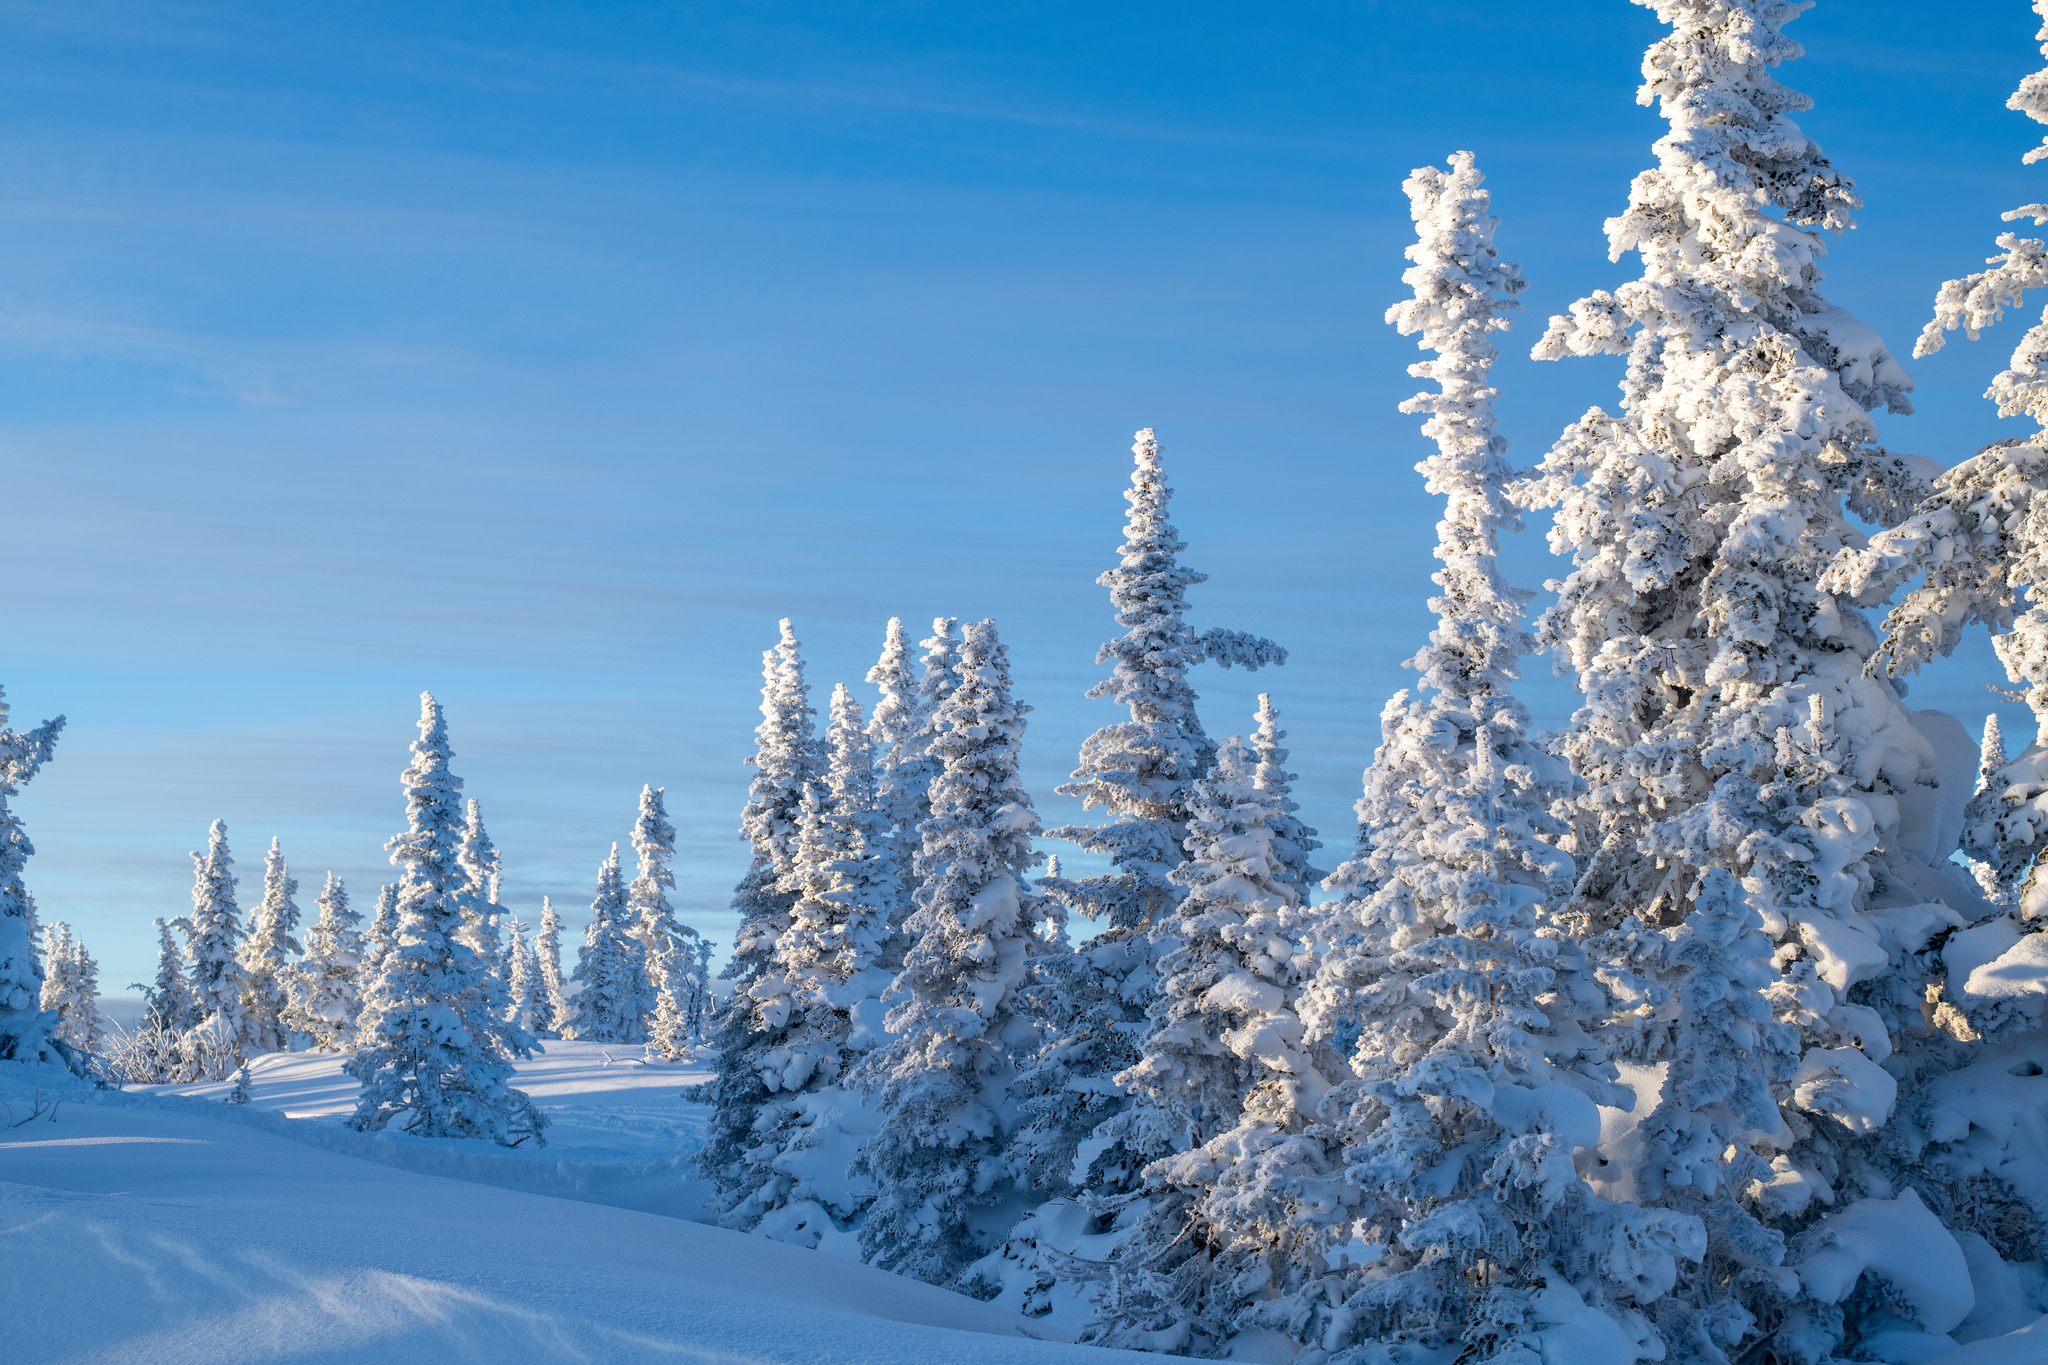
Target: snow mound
[{"x": 1900, "y": 1242}]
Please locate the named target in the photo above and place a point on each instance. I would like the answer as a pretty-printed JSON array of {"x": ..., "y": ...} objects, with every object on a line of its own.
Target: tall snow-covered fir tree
[
  {"x": 943, "y": 1076},
  {"x": 608, "y": 973},
  {"x": 1092, "y": 1002},
  {"x": 267, "y": 994},
  {"x": 1745, "y": 770},
  {"x": 550, "y": 1002},
  {"x": 823, "y": 997},
  {"x": 667, "y": 946},
  {"x": 1238, "y": 1212},
  {"x": 326, "y": 991},
  {"x": 71, "y": 989},
  {"x": 435, "y": 1058},
  {"x": 220, "y": 983},
  {"x": 785, "y": 759},
  {"x": 26, "y": 1028},
  {"x": 1140, "y": 770}
]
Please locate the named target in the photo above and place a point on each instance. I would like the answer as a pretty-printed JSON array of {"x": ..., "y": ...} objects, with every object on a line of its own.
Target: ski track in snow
[{"x": 161, "y": 1226}]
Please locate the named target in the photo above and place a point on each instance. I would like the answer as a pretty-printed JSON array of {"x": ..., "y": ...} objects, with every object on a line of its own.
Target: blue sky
[{"x": 544, "y": 356}]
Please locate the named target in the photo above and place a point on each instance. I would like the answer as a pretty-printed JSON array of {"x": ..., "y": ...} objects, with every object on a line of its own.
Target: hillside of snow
[{"x": 168, "y": 1227}]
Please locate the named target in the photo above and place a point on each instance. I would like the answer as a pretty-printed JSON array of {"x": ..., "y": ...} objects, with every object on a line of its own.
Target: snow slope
[
  {"x": 619, "y": 1131},
  {"x": 168, "y": 1230}
]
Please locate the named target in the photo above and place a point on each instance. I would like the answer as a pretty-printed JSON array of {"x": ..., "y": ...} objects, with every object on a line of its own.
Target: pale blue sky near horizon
[{"x": 544, "y": 356}]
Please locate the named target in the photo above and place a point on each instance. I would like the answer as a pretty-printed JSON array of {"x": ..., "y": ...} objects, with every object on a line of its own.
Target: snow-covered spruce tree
[
  {"x": 71, "y": 988},
  {"x": 383, "y": 929},
  {"x": 899, "y": 731},
  {"x": 1139, "y": 771},
  {"x": 266, "y": 997},
  {"x": 26, "y": 1029},
  {"x": 151, "y": 1053},
  {"x": 698, "y": 1004},
  {"x": 938, "y": 1159},
  {"x": 667, "y": 946},
  {"x": 1238, "y": 1213},
  {"x": 1474, "y": 1081},
  {"x": 607, "y": 1004},
  {"x": 550, "y": 1004},
  {"x": 220, "y": 983},
  {"x": 326, "y": 992},
  {"x": 1729, "y": 721},
  {"x": 825, "y": 988},
  {"x": 434, "y": 1056},
  {"x": 786, "y": 757},
  {"x": 1293, "y": 841},
  {"x": 480, "y": 911},
  {"x": 1991, "y": 754},
  {"x": 1992, "y": 759},
  {"x": 522, "y": 975},
  {"x": 167, "y": 1001}
]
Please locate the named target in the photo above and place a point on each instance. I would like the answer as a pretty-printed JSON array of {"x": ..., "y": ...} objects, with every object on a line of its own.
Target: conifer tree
[
  {"x": 1237, "y": 1213},
  {"x": 220, "y": 983},
  {"x": 1991, "y": 754},
  {"x": 167, "y": 1001},
  {"x": 522, "y": 976},
  {"x": 71, "y": 990},
  {"x": 698, "y": 1005},
  {"x": 1730, "y": 726},
  {"x": 267, "y": 993},
  {"x": 326, "y": 990},
  {"x": 784, "y": 760},
  {"x": 1293, "y": 841},
  {"x": 383, "y": 929},
  {"x": 1474, "y": 1076},
  {"x": 607, "y": 1005},
  {"x": 435, "y": 1056},
  {"x": 26, "y": 1029},
  {"x": 666, "y": 945},
  {"x": 1140, "y": 770},
  {"x": 826, "y": 991},
  {"x": 898, "y": 731},
  {"x": 479, "y": 859},
  {"x": 942, "y": 1077},
  {"x": 1092, "y": 1002},
  {"x": 153, "y": 1052},
  {"x": 551, "y": 1006}
]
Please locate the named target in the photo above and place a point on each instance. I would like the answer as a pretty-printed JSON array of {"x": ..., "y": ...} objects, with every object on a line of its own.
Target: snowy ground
[{"x": 162, "y": 1226}]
